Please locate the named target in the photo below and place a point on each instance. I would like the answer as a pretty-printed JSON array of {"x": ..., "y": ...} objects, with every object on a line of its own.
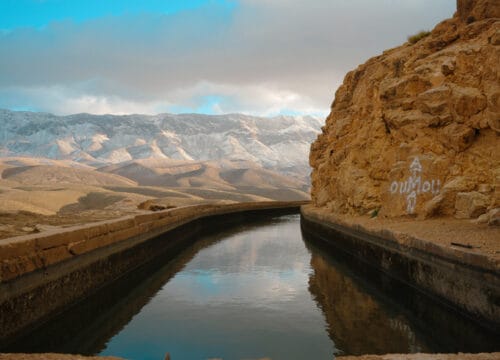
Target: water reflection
[
  {"x": 240, "y": 298},
  {"x": 237, "y": 294},
  {"x": 357, "y": 322},
  {"x": 254, "y": 291},
  {"x": 368, "y": 312},
  {"x": 86, "y": 327}
]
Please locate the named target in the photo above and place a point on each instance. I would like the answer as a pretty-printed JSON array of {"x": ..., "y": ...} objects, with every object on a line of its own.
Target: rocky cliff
[{"x": 416, "y": 130}]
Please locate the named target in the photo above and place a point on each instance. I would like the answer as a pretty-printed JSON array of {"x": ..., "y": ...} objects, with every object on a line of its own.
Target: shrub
[
  {"x": 420, "y": 35},
  {"x": 374, "y": 213}
]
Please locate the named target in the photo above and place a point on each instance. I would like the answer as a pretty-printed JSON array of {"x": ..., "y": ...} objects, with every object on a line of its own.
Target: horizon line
[{"x": 316, "y": 116}]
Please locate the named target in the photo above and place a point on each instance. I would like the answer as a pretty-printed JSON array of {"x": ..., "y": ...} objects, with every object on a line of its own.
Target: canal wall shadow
[{"x": 369, "y": 312}]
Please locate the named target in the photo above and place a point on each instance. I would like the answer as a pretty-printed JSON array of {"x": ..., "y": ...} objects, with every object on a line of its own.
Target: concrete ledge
[
  {"x": 55, "y": 357},
  {"x": 23, "y": 254},
  {"x": 460, "y": 356},
  {"x": 41, "y": 274},
  {"x": 466, "y": 280}
]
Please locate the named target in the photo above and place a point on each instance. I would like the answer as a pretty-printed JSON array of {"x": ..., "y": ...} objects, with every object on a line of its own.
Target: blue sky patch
[{"x": 39, "y": 13}]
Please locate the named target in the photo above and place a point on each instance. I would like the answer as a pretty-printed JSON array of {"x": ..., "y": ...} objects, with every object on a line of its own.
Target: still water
[
  {"x": 244, "y": 296},
  {"x": 262, "y": 290}
]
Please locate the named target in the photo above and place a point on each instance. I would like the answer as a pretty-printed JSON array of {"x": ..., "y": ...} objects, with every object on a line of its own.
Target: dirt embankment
[
  {"x": 54, "y": 357},
  {"x": 481, "y": 356}
]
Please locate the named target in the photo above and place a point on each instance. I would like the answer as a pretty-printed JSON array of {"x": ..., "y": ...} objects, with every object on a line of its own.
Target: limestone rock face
[
  {"x": 415, "y": 126},
  {"x": 471, "y": 10},
  {"x": 470, "y": 205}
]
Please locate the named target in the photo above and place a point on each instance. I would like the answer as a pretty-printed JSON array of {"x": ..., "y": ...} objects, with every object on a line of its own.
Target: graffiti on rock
[{"x": 414, "y": 186}]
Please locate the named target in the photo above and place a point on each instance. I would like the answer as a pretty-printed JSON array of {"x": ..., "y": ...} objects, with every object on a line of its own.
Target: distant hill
[
  {"x": 82, "y": 168},
  {"x": 279, "y": 144},
  {"x": 59, "y": 175}
]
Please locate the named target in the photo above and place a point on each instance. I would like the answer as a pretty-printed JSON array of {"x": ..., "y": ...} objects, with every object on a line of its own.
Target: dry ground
[
  {"x": 449, "y": 232},
  {"x": 36, "y": 194}
]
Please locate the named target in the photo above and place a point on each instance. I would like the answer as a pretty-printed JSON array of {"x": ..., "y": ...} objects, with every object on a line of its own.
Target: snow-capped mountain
[{"x": 279, "y": 143}]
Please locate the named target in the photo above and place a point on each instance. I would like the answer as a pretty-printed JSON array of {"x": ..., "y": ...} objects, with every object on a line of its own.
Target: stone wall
[
  {"x": 24, "y": 254},
  {"x": 468, "y": 281},
  {"x": 44, "y": 273}
]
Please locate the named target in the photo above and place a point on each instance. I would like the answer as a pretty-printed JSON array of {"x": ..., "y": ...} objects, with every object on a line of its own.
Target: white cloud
[
  {"x": 65, "y": 100},
  {"x": 264, "y": 57},
  {"x": 258, "y": 99}
]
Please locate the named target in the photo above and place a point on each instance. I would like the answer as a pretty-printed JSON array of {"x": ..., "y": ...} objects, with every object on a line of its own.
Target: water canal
[{"x": 260, "y": 290}]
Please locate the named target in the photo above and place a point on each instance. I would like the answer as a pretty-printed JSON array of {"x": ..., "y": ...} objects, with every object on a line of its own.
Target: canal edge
[
  {"x": 466, "y": 281},
  {"x": 46, "y": 273}
]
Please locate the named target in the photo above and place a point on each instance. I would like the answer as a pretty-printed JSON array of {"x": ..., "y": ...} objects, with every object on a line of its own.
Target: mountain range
[
  {"x": 81, "y": 168},
  {"x": 279, "y": 144}
]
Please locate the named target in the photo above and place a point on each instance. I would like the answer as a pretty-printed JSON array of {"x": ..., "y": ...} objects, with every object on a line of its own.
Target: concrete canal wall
[
  {"x": 466, "y": 279},
  {"x": 42, "y": 274}
]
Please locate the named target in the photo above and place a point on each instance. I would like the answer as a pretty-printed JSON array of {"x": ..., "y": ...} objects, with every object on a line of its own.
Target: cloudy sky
[{"x": 262, "y": 57}]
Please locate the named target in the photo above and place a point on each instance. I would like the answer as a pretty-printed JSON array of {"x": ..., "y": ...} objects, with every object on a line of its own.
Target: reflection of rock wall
[
  {"x": 356, "y": 322},
  {"x": 436, "y": 102},
  {"x": 347, "y": 287}
]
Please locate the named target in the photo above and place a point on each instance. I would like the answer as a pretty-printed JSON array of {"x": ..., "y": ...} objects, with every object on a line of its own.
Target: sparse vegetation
[
  {"x": 374, "y": 213},
  {"x": 412, "y": 39}
]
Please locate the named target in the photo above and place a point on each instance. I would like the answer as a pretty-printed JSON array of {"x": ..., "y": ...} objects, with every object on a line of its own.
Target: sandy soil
[
  {"x": 53, "y": 357},
  {"x": 460, "y": 356},
  {"x": 36, "y": 193},
  {"x": 29, "y": 211},
  {"x": 464, "y": 234},
  {"x": 445, "y": 231},
  {"x": 23, "y": 222}
]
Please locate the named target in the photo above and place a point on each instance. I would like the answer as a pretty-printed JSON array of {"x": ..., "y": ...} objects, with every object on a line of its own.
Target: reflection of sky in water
[{"x": 245, "y": 297}]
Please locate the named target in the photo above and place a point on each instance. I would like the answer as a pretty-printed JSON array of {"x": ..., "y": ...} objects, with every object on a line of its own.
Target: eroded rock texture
[{"x": 412, "y": 128}]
